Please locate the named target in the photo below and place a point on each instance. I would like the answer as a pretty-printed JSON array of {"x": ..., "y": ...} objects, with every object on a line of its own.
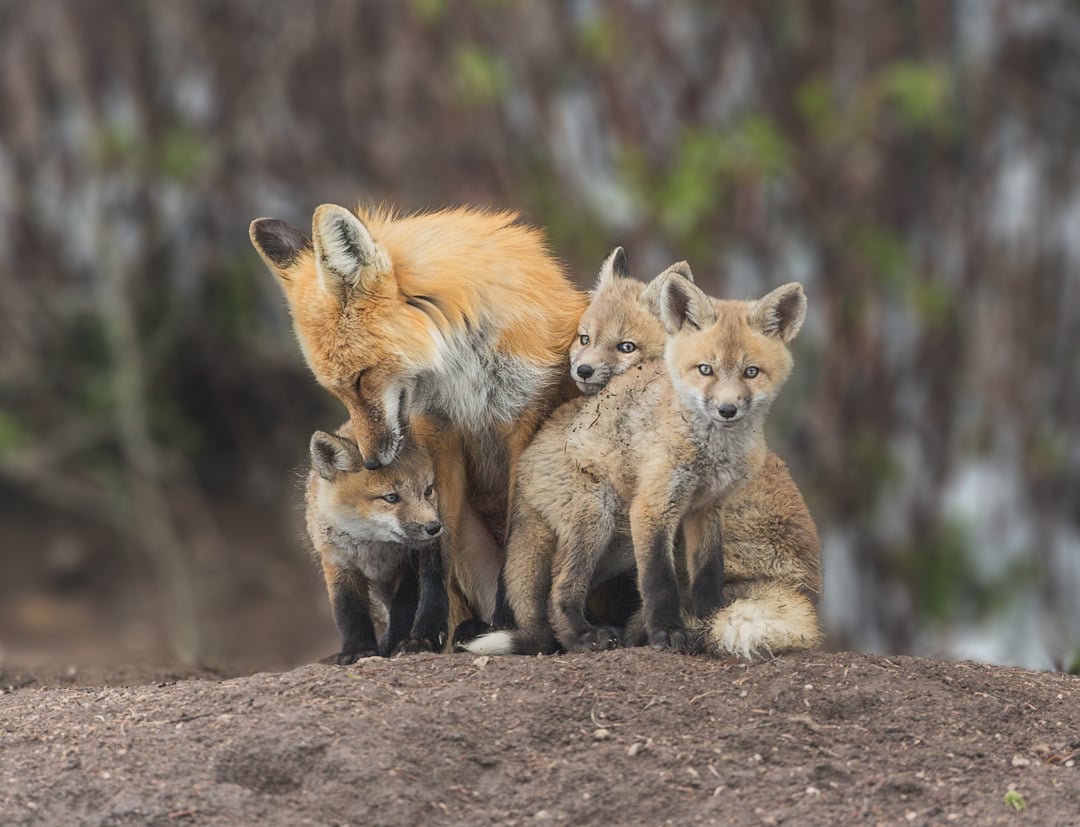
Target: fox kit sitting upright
[
  {"x": 376, "y": 533},
  {"x": 771, "y": 578},
  {"x": 778, "y": 547}
]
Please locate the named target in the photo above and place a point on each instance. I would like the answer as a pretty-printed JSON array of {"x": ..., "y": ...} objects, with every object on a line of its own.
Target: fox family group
[{"x": 534, "y": 468}]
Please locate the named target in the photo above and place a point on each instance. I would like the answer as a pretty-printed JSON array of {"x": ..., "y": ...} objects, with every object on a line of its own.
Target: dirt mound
[{"x": 624, "y": 737}]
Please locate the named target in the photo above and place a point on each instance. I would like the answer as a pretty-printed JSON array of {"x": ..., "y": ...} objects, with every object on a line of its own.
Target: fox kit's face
[
  {"x": 356, "y": 328},
  {"x": 729, "y": 359},
  {"x": 620, "y": 328},
  {"x": 396, "y": 503}
]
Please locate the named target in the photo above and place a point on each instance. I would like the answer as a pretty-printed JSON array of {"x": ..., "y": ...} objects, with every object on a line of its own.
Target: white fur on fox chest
[
  {"x": 475, "y": 386},
  {"x": 727, "y": 458}
]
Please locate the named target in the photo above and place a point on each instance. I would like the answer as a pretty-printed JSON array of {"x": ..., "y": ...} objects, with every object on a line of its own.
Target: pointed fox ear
[
  {"x": 615, "y": 266},
  {"x": 651, "y": 294},
  {"x": 781, "y": 312},
  {"x": 279, "y": 244},
  {"x": 682, "y": 304},
  {"x": 332, "y": 455},
  {"x": 346, "y": 255}
]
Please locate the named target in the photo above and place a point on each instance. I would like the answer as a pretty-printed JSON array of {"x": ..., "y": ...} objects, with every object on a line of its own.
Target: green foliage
[
  {"x": 428, "y": 12},
  {"x": 814, "y": 103},
  {"x": 1072, "y": 666},
  {"x": 479, "y": 75},
  {"x": 599, "y": 39},
  {"x": 919, "y": 92},
  {"x": 889, "y": 260},
  {"x": 942, "y": 576},
  {"x": 872, "y": 463},
  {"x": 707, "y": 163},
  {"x": 180, "y": 155},
  {"x": 572, "y": 229},
  {"x": 13, "y": 433},
  {"x": 1015, "y": 800}
]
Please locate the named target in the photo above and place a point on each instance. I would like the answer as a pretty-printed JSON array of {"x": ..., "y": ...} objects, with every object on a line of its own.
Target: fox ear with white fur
[
  {"x": 346, "y": 256},
  {"x": 682, "y": 304},
  {"x": 781, "y": 313},
  {"x": 615, "y": 266},
  {"x": 651, "y": 294}
]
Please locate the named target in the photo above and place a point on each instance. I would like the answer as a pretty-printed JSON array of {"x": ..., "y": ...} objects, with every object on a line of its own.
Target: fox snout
[
  {"x": 378, "y": 433},
  {"x": 424, "y": 532},
  {"x": 589, "y": 378}
]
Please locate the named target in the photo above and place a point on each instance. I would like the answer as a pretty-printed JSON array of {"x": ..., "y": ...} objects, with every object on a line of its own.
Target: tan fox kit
[
  {"x": 655, "y": 450},
  {"x": 376, "y": 533},
  {"x": 621, "y": 327},
  {"x": 772, "y": 553}
]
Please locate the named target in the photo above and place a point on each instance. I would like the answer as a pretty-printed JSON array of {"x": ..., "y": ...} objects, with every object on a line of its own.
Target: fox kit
[
  {"x": 657, "y": 449},
  {"x": 462, "y": 315},
  {"x": 376, "y": 533},
  {"x": 621, "y": 328},
  {"x": 772, "y": 553}
]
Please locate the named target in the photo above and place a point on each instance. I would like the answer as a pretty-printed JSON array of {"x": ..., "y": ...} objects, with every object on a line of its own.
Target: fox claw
[
  {"x": 673, "y": 640},
  {"x": 413, "y": 645},
  {"x": 597, "y": 640}
]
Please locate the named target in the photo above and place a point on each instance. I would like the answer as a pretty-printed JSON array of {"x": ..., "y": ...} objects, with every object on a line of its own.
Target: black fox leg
[
  {"x": 353, "y": 619},
  {"x": 660, "y": 593},
  {"x": 433, "y": 609},
  {"x": 575, "y": 566},
  {"x": 504, "y": 614},
  {"x": 402, "y": 613},
  {"x": 707, "y": 570}
]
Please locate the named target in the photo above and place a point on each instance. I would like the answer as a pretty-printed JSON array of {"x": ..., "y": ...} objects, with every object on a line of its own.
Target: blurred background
[{"x": 914, "y": 164}]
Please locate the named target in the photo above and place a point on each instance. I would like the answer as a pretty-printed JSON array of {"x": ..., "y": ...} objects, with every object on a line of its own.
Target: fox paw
[
  {"x": 345, "y": 658},
  {"x": 673, "y": 640},
  {"x": 599, "y": 639},
  {"x": 412, "y": 645}
]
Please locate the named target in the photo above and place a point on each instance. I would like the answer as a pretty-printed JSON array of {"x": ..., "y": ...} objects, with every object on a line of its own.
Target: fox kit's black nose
[
  {"x": 433, "y": 528},
  {"x": 727, "y": 410},
  {"x": 585, "y": 371},
  {"x": 371, "y": 464}
]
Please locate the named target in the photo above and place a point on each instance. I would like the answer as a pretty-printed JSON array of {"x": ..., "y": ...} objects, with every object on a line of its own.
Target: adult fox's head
[
  {"x": 621, "y": 327},
  {"x": 396, "y": 504},
  {"x": 729, "y": 359},
  {"x": 362, "y": 337}
]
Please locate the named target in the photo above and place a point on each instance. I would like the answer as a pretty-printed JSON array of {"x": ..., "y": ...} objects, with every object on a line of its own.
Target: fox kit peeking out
[
  {"x": 657, "y": 449},
  {"x": 376, "y": 533}
]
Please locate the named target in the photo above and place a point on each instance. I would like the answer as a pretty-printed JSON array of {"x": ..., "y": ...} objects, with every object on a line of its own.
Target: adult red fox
[{"x": 462, "y": 315}]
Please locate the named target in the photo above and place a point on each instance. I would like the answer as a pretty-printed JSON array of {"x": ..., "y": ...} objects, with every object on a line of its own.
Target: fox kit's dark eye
[
  {"x": 391, "y": 497},
  {"x": 359, "y": 382},
  {"x": 751, "y": 371},
  {"x": 626, "y": 347},
  {"x": 583, "y": 338},
  {"x": 705, "y": 370},
  {"x": 429, "y": 490}
]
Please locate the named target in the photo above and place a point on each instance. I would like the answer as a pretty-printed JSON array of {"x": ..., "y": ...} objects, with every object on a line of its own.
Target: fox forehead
[
  {"x": 339, "y": 340},
  {"x": 413, "y": 469},
  {"x": 732, "y": 343}
]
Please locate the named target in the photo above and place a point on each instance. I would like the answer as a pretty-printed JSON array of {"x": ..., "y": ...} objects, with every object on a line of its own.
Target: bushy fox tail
[
  {"x": 768, "y": 618},
  {"x": 512, "y": 642}
]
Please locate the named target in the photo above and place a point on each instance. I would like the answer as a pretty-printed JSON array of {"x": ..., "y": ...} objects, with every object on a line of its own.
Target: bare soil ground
[{"x": 624, "y": 737}]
